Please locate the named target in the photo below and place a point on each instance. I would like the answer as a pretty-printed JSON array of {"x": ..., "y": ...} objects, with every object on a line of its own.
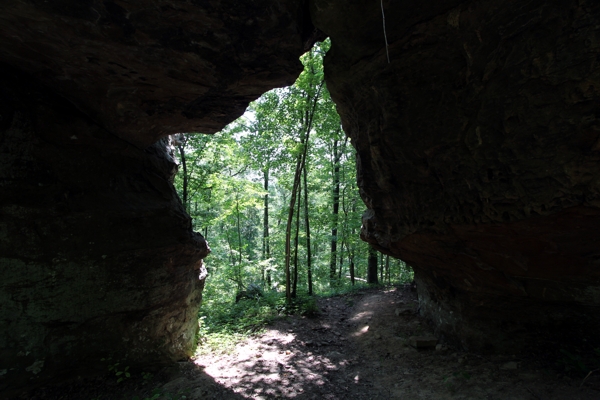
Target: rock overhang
[
  {"x": 146, "y": 69},
  {"x": 477, "y": 145},
  {"x": 100, "y": 260}
]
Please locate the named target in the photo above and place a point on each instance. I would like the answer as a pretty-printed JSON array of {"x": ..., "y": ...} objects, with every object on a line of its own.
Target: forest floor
[{"x": 358, "y": 347}]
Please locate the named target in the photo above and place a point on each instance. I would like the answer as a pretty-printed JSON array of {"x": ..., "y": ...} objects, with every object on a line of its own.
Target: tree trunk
[
  {"x": 207, "y": 212},
  {"x": 239, "y": 232},
  {"x": 336, "y": 207},
  {"x": 341, "y": 262},
  {"x": 351, "y": 249},
  {"x": 288, "y": 229},
  {"x": 184, "y": 194},
  {"x": 387, "y": 269},
  {"x": 266, "y": 246},
  {"x": 299, "y": 165},
  {"x": 295, "y": 272},
  {"x": 352, "y": 269},
  {"x": 307, "y": 226},
  {"x": 372, "y": 266},
  {"x": 381, "y": 269}
]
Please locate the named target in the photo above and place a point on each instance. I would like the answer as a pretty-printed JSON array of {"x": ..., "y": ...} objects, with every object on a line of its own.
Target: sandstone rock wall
[
  {"x": 149, "y": 68},
  {"x": 97, "y": 254},
  {"x": 478, "y": 153},
  {"x": 478, "y": 158}
]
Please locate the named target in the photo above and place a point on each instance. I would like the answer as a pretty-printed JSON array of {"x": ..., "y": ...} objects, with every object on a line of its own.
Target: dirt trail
[{"x": 357, "y": 348}]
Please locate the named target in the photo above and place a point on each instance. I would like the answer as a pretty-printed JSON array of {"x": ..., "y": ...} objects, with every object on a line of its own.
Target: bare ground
[{"x": 357, "y": 348}]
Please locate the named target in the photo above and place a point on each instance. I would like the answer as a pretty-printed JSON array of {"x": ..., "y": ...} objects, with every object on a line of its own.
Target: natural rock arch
[
  {"x": 477, "y": 152},
  {"x": 97, "y": 254}
]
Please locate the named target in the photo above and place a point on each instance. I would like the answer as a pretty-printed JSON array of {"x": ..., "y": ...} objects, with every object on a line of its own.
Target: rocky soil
[{"x": 359, "y": 347}]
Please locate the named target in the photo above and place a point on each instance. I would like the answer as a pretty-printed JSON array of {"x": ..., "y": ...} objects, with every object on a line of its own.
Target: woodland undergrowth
[{"x": 224, "y": 324}]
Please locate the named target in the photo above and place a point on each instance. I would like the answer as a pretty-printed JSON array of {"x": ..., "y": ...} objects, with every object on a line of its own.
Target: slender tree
[
  {"x": 301, "y": 159},
  {"x": 372, "y": 266},
  {"x": 387, "y": 268},
  {"x": 266, "y": 248},
  {"x": 307, "y": 227},
  {"x": 381, "y": 268},
  {"x": 296, "y": 245},
  {"x": 181, "y": 141},
  {"x": 336, "y": 206},
  {"x": 312, "y": 94}
]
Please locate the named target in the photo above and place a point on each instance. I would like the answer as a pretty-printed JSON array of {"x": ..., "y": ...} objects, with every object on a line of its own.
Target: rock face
[
  {"x": 149, "y": 68},
  {"x": 97, "y": 255},
  {"x": 478, "y": 154}
]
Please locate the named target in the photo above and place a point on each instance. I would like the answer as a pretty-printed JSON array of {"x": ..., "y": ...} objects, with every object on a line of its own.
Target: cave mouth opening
[{"x": 276, "y": 191}]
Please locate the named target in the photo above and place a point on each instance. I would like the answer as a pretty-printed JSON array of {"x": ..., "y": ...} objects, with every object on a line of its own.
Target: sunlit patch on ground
[
  {"x": 277, "y": 363},
  {"x": 358, "y": 348}
]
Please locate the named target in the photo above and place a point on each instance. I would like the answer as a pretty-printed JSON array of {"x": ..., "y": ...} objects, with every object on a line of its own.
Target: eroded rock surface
[
  {"x": 97, "y": 254},
  {"x": 145, "y": 69},
  {"x": 478, "y": 154}
]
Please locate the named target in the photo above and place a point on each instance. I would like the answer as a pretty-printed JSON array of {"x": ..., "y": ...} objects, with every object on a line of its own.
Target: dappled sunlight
[
  {"x": 279, "y": 364},
  {"x": 361, "y": 331},
  {"x": 363, "y": 316},
  {"x": 297, "y": 357},
  {"x": 361, "y": 320},
  {"x": 359, "y": 348}
]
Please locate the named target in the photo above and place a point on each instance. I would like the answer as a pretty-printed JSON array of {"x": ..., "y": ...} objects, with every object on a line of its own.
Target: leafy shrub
[
  {"x": 346, "y": 289},
  {"x": 225, "y": 324}
]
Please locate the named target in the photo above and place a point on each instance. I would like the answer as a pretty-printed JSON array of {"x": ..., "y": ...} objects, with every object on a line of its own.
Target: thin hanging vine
[{"x": 384, "y": 33}]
